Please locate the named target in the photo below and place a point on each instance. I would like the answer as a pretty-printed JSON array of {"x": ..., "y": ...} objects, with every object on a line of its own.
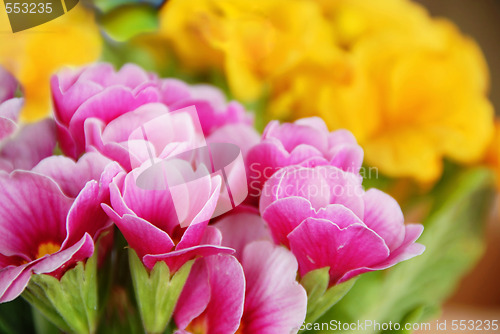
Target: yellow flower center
[
  {"x": 198, "y": 325},
  {"x": 47, "y": 248}
]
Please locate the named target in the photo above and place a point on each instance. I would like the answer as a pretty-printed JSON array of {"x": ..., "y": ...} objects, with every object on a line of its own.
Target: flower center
[
  {"x": 47, "y": 248},
  {"x": 198, "y": 325}
]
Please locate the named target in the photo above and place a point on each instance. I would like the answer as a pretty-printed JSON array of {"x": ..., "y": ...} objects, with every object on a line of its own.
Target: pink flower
[
  {"x": 28, "y": 146},
  {"x": 147, "y": 132},
  {"x": 274, "y": 301},
  {"x": 213, "y": 109},
  {"x": 258, "y": 294},
  {"x": 43, "y": 230},
  {"x": 212, "y": 299},
  {"x": 327, "y": 220},
  {"x": 306, "y": 142},
  {"x": 8, "y": 85},
  {"x": 161, "y": 229},
  {"x": 98, "y": 92},
  {"x": 9, "y": 105},
  {"x": 22, "y": 147}
]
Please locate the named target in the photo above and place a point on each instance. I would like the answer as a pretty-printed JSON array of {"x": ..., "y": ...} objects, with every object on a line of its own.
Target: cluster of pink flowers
[{"x": 306, "y": 207}]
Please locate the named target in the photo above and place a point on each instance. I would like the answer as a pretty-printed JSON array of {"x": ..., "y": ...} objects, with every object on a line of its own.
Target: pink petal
[
  {"x": 269, "y": 156},
  {"x": 195, "y": 295},
  {"x": 314, "y": 122},
  {"x": 120, "y": 128},
  {"x": 296, "y": 181},
  {"x": 209, "y": 93},
  {"x": 348, "y": 157},
  {"x": 66, "y": 141},
  {"x": 70, "y": 175},
  {"x": 107, "y": 105},
  {"x": 56, "y": 264},
  {"x": 9, "y": 112},
  {"x": 173, "y": 90},
  {"x": 227, "y": 282},
  {"x": 341, "y": 137},
  {"x": 275, "y": 302},
  {"x": 142, "y": 236},
  {"x": 301, "y": 133},
  {"x": 321, "y": 186},
  {"x": 86, "y": 214},
  {"x": 8, "y": 85},
  {"x": 155, "y": 206},
  {"x": 240, "y": 229},
  {"x": 406, "y": 251},
  {"x": 179, "y": 257},
  {"x": 33, "y": 210},
  {"x": 319, "y": 243},
  {"x": 130, "y": 75},
  {"x": 33, "y": 143},
  {"x": 384, "y": 216},
  {"x": 204, "y": 211},
  {"x": 116, "y": 151},
  {"x": 345, "y": 188},
  {"x": 71, "y": 88},
  {"x": 66, "y": 102},
  {"x": 242, "y": 135},
  {"x": 13, "y": 281},
  {"x": 285, "y": 214}
]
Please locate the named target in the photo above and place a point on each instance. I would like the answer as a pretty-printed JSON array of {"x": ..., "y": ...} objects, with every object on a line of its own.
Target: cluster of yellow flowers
[
  {"x": 33, "y": 55},
  {"x": 411, "y": 88}
]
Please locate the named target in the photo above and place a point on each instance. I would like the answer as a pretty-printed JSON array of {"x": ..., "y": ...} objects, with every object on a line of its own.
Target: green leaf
[
  {"x": 108, "y": 5},
  {"x": 453, "y": 237},
  {"x": 156, "y": 292},
  {"x": 126, "y": 22},
  {"x": 320, "y": 298},
  {"x": 43, "y": 325},
  {"x": 15, "y": 317},
  {"x": 69, "y": 303}
]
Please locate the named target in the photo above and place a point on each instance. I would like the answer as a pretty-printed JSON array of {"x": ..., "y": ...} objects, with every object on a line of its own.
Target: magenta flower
[
  {"x": 8, "y": 85},
  {"x": 212, "y": 299},
  {"x": 148, "y": 132},
  {"x": 21, "y": 147},
  {"x": 306, "y": 142},
  {"x": 43, "y": 230},
  {"x": 158, "y": 228},
  {"x": 274, "y": 301},
  {"x": 327, "y": 220},
  {"x": 213, "y": 109},
  {"x": 9, "y": 105},
  {"x": 98, "y": 92}
]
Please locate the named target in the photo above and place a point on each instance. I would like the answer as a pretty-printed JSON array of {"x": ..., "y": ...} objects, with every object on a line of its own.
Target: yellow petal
[{"x": 35, "y": 54}]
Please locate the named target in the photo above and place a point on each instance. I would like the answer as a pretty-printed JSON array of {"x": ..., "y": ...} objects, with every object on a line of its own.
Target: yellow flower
[
  {"x": 353, "y": 20},
  {"x": 411, "y": 96},
  {"x": 251, "y": 40},
  {"x": 33, "y": 55},
  {"x": 412, "y": 89},
  {"x": 187, "y": 25}
]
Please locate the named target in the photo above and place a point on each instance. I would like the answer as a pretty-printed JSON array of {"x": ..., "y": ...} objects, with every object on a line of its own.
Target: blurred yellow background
[{"x": 478, "y": 295}]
